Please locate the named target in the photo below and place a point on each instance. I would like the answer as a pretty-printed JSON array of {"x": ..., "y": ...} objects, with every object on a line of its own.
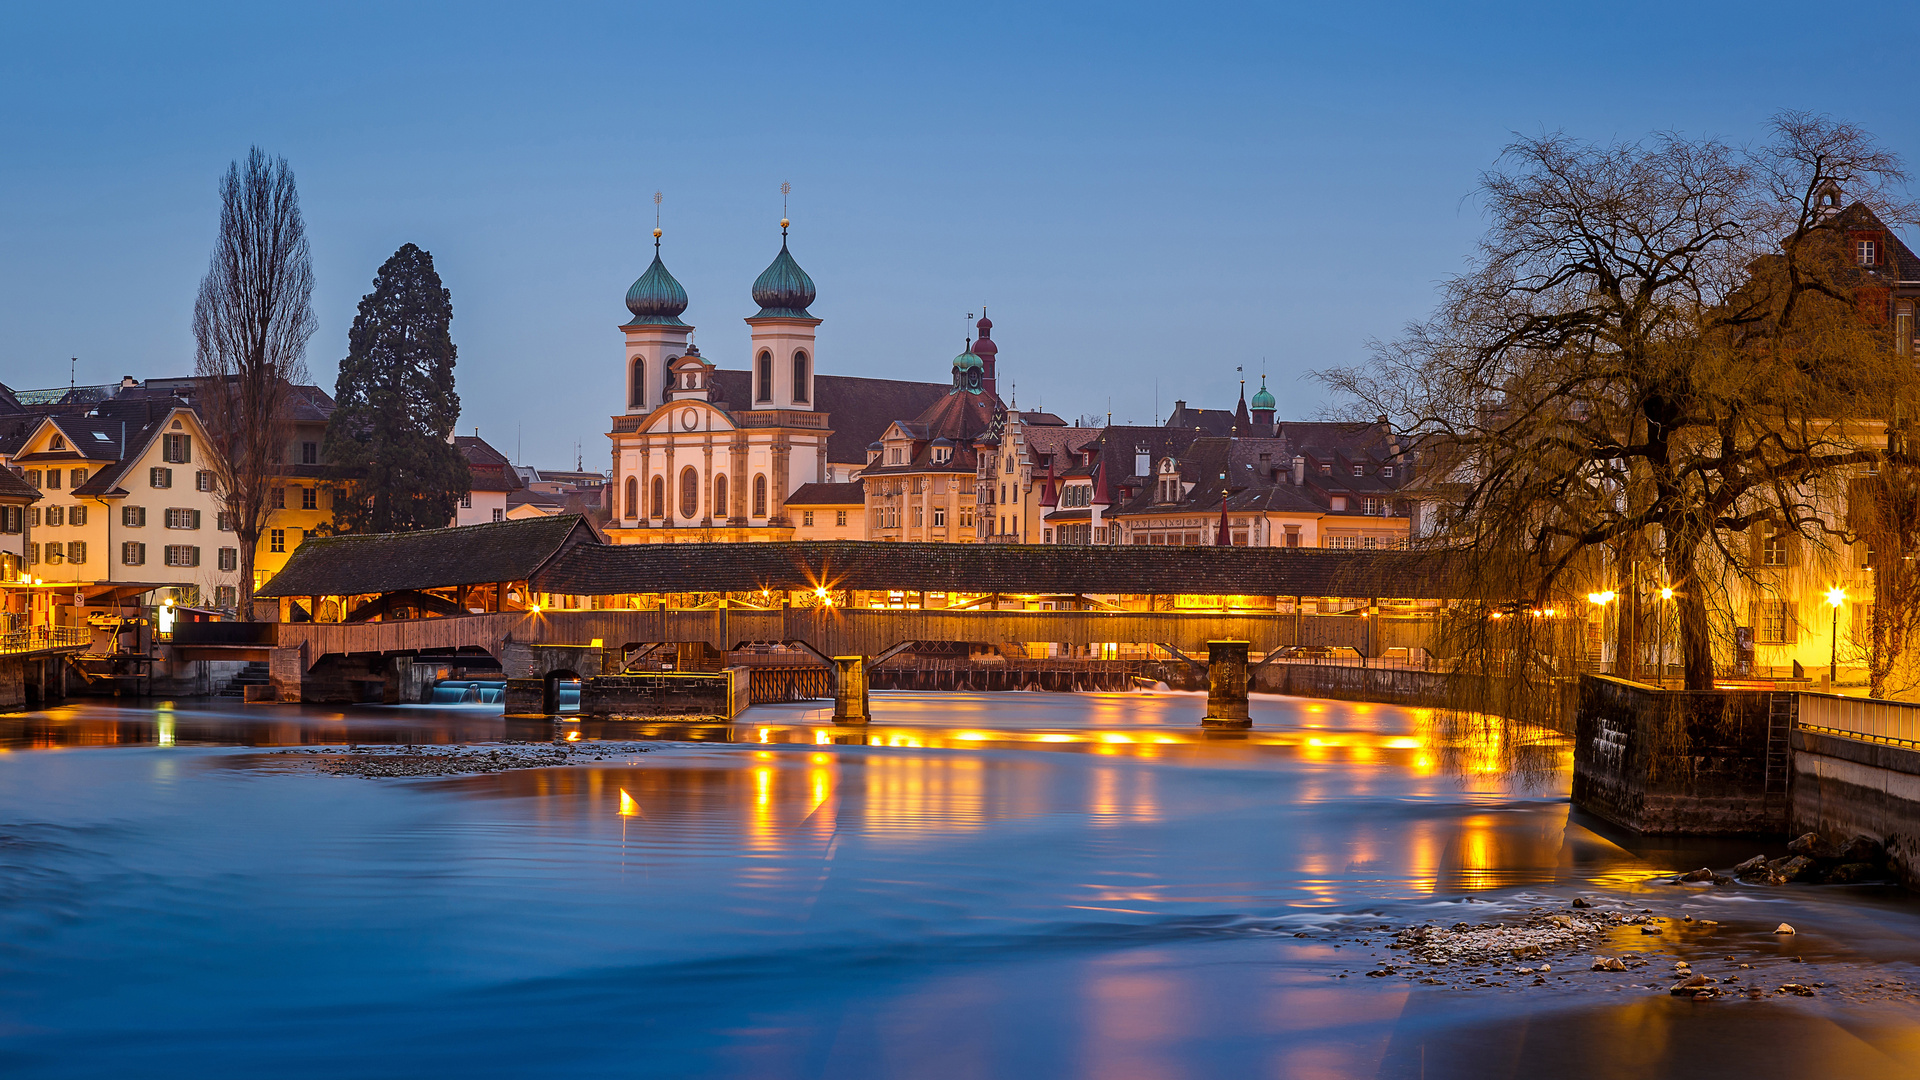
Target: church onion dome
[
  {"x": 656, "y": 299},
  {"x": 1262, "y": 399},
  {"x": 966, "y": 360},
  {"x": 985, "y": 346},
  {"x": 783, "y": 290}
]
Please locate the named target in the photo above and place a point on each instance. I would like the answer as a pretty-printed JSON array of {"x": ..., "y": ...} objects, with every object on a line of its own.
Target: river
[{"x": 992, "y": 885}]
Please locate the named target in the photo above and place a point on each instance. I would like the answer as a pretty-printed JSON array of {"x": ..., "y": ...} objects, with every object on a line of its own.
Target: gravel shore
[{"x": 457, "y": 759}]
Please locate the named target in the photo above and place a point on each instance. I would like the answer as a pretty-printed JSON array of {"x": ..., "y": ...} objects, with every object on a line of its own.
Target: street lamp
[
  {"x": 1835, "y": 596},
  {"x": 1660, "y": 675}
]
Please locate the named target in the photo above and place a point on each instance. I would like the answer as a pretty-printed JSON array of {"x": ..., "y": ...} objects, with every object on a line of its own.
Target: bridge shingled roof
[
  {"x": 359, "y": 564},
  {"x": 1018, "y": 568}
]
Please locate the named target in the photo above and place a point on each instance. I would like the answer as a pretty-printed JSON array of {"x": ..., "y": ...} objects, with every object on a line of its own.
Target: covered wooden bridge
[{"x": 544, "y": 595}]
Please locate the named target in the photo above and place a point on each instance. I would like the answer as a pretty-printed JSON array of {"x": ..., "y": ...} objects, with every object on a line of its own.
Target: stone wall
[
  {"x": 1675, "y": 761},
  {"x": 1844, "y": 788},
  {"x": 664, "y": 694}
]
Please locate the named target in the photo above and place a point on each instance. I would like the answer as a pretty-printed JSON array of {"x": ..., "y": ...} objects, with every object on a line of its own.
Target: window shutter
[
  {"x": 196, "y": 519},
  {"x": 196, "y": 557},
  {"x": 186, "y": 448}
]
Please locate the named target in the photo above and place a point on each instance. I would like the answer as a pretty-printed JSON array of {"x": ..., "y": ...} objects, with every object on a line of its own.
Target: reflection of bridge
[{"x": 534, "y": 645}]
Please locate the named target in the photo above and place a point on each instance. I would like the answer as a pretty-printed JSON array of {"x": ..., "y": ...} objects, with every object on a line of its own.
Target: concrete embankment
[{"x": 1851, "y": 787}]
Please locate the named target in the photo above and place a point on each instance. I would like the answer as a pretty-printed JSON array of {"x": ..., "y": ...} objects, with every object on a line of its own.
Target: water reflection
[{"x": 1010, "y": 885}]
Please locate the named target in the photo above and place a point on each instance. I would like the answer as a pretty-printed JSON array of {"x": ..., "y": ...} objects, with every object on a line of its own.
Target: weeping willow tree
[
  {"x": 1660, "y": 352},
  {"x": 1885, "y": 515}
]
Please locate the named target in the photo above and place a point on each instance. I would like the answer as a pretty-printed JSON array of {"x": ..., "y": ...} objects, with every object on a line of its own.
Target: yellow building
[{"x": 829, "y": 512}]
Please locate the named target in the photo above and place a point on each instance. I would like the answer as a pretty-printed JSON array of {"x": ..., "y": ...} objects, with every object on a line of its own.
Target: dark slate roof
[
  {"x": 12, "y": 486},
  {"x": 858, "y": 409},
  {"x": 359, "y": 564},
  {"x": 828, "y": 494},
  {"x": 488, "y": 468},
  {"x": 857, "y": 564}
]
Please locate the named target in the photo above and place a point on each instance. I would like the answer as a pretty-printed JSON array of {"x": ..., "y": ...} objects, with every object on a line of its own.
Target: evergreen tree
[{"x": 395, "y": 406}]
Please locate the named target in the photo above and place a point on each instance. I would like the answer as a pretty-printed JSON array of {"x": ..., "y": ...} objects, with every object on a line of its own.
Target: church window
[
  {"x": 633, "y": 497},
  {"x": 720, "y": 496},
  {"x": 639, "y": 395},
  {"x": 764, "y": 372},
  {"x": 689, "y": 493},
  {"x": 800, "y": 377},
  {"x": 760, "y": 495},
  {"x": 659, "y": 496}
]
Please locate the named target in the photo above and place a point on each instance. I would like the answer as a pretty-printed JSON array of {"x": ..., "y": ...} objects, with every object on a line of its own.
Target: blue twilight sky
[{"x": 1145, "y": 196}]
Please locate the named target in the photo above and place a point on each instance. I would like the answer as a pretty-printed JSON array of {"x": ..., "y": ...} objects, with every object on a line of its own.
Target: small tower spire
[
  {"x": 786, "y": 189},
  {"x": 657, "y": 196}
]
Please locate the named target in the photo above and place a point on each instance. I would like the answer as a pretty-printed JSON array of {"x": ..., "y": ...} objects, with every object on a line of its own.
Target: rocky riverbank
[
  {"x": 456, "y": 759},
  {"x": 1810, "y": 859},
  {"x": 1610, "y": 946}
]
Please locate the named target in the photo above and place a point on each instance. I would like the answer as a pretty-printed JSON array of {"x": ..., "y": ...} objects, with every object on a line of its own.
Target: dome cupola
[
  {"x": 783, "y": 290},
  {"x": 1261, "y": 398},
  {"x": 967, "y": 369},
  {"x": 656, "y": 299}
]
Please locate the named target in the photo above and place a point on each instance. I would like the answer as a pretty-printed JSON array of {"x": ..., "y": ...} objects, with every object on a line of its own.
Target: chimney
[
  {"x": 1299, "y": 470},
  {"x": 1142, "y": 461}
]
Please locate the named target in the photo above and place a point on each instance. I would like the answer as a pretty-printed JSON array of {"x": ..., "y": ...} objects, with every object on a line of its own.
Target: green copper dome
[
  {"x": 783, "y": 290},
  {"x": 656, "y": 299},
  {"x": 967, "y": 360},
  {"x": 1262, "y": 399}
]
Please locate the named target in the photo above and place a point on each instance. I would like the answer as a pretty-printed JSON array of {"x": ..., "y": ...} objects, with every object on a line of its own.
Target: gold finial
[
  {"x": 657, "y": 196},
  {"x": 656, "y": 232},
  {"x": 786, "y": 189}
]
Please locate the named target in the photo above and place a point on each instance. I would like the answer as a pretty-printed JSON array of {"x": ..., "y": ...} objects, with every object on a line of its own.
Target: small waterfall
[{"x": 472, "y": 692}]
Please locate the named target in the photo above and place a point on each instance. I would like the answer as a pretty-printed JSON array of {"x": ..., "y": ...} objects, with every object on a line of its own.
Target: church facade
[{"x": 691, "y": 460}]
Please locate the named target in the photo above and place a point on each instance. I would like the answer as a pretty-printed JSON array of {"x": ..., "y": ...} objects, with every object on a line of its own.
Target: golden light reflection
[{"x": 628, "y": 808}]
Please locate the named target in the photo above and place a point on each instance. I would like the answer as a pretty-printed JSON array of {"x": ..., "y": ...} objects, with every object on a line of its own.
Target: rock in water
[
  {"x": 1687, "y": 987},
  {"x": 1702, "y": 874},
  {"x": 1794, "y": 867},
  {"x": 1581, "y": 902},
  {"x": 1755, "y": 865},
  {"x": 1784, "y": 928},
  {"x": 1807, "y": 844},
  {"x": 1863, "y": 849},
  {"x": 1608, "y": 963},
  {"x": 1848, "y": 873}
]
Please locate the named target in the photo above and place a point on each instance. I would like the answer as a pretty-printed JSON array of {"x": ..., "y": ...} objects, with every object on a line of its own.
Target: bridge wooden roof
[
  {"x": 1014, "y": 568},
  {"x": 363, "y": 564}
]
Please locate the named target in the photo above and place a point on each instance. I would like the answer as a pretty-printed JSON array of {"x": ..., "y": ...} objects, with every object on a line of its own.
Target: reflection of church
[{"x": 704, "y": 454}]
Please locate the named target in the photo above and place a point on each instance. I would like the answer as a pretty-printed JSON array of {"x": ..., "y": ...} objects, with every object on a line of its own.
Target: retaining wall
[
  {"x": 1844, "y": 788},
  {"x": 1676, "y": 761}
]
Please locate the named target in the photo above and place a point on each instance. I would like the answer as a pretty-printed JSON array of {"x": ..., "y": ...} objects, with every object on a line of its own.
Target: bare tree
[
  {"x": 250, "y": 325},
  {"x": 1658, "y": 349}
]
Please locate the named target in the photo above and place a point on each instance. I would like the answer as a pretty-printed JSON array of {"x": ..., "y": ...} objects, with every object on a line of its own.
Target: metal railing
[
  {"x": 1861, "y": 718},
  {"x": 45, "y": 637}
]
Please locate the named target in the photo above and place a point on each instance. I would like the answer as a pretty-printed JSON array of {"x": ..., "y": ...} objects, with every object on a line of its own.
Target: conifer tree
[{"x": 395, "y": 405}]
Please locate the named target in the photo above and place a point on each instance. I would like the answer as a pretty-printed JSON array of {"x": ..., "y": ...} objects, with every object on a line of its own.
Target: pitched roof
[
  {"x": 858, "y": 409},
  {"x": 12, "y": 486},
  {"x": 1100, "y": 569},
  {"x": 361, "y": 563},
  {"x": 488, "y": 468},
  {"x": 849, "y": 494}
]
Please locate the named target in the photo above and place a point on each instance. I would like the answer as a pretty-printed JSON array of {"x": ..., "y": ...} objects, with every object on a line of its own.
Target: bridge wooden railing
[{"x": 862, "y": 632}]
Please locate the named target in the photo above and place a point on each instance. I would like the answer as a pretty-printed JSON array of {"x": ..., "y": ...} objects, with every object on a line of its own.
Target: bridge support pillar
[
  {"x": 1227, "y": 685},
  {"x": 850, "y": 690}
]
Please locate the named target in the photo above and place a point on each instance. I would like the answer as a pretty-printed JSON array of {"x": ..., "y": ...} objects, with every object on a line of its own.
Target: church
[{"x": 706, "y": 454}]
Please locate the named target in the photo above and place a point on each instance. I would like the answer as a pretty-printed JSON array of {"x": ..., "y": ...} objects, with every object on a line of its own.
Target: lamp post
[
  {"x": 1835, "y": 597},
  {"x": 1660, "y": 665}
]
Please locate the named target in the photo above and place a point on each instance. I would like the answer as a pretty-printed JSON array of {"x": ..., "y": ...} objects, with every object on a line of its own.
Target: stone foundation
[
  {"x": 1675, "y": 761},
  {"x": 1844, "y": 788}
]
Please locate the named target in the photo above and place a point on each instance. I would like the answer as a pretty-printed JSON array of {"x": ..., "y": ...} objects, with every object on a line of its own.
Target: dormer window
[
  {"x": 1359, "y": 470},
  {"x": 1326, "y": 468},
  {"x": 58, "y": 443},
  {"x": 1866, "y": 252},
  {"x": 1386, "y": 470}
]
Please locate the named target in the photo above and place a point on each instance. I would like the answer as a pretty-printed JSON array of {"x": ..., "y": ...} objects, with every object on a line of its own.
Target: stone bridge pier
[{"x": 1227, "y": 685}]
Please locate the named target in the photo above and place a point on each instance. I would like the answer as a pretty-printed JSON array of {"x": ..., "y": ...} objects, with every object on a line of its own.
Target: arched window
[
  {"x": 720, "y": 508},
  {"x": 659, "y": 496},
  {"x": 689, "y": 493},
  {"x": 760, "y": 495},
  {"x": 765, "y": 372},
  {"x": 800, "y": 377},
  {"x": 638, "y": 396},
  {"x": 633, "y": 497}
]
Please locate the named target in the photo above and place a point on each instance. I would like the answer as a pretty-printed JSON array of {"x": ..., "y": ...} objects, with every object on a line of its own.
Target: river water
[{"x": 996, "y": 885}]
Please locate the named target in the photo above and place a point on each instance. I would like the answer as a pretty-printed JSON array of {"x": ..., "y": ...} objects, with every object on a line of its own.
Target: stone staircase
[{"x": 254, "y": 674}]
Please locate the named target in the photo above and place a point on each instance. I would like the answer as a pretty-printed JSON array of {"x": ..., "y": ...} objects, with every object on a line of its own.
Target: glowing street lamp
[{"x": 1835, "y": 597}]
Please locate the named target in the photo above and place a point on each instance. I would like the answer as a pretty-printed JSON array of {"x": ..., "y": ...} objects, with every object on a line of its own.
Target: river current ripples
[{"x": 986, "y": 885}]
